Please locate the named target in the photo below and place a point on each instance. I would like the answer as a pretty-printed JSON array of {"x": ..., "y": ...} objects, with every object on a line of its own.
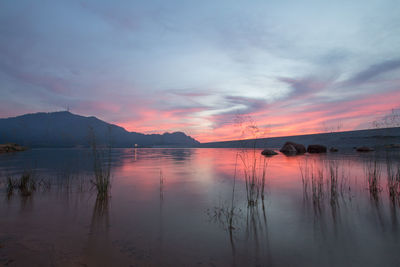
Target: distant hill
[
  {"x": 64, "y": 129},
  {"x": 348, "y": 139}
]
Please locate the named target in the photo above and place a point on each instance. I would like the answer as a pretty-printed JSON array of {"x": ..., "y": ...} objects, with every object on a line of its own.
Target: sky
[{"x": 208, "y": 68}]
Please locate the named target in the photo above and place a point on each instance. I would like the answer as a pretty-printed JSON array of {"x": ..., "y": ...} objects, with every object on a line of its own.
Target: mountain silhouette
[{"x": 64, "y": 129}]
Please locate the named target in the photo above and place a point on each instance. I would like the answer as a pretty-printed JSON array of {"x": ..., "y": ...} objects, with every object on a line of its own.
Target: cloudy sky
[{"x": 201, "y": 67}]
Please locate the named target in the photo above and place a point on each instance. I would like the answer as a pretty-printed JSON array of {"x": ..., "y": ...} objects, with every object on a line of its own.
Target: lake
[{"x": 190, "y": 207}]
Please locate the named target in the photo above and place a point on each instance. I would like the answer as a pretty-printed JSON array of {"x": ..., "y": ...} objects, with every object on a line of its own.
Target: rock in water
[
  {"x": 288, "y": 149},
  {"x": 333, "y": 149},
  {"x": 268, "y": 152},
  {"x": 392, "y": 146},
  {"x": 364, "y": 149},
  {"x": 316, "y": 149},
  {"x": 293, "y": 148},
  {"x": 11, "y": 147}
]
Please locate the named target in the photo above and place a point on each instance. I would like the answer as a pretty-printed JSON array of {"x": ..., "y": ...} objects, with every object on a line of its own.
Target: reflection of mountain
[{"x": 64, "y": 129}]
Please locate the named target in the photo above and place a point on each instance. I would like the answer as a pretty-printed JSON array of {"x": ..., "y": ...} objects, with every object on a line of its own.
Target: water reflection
[
  {"x": 161, "y": 218},
  {"x": 393, "y": 216},
  {"x": 249, "y": 229},
  {"x": 257, "y": 234},
  {"x": 177, "y": 154},
  {"x": 99, "y": 241},
  {"x": 100, "y": 216},
  {"x": 337, "y": 192},
  {"x": 316, "y": 210}
]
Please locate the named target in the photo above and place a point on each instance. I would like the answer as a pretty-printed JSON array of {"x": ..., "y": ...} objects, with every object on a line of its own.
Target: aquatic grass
[
  {"x": 102, "y": 180},
  {"x": 100, "y": 220},
  {"x": 255, "y": 176},
  {"x": 11, "y": 185},
  {"x": 26, "y": 184},
  {"x": 312, "y": 176},
  {"x": 254, "y": 169},
  {"x": 45, "y": 184},
  {"x": 325, "y": 180},
  {"x": 64, "y": 180},
  {"x": 228, "y": 216},
  {"x": 372, "y": 169},
  {"x": 393, "y": 178},
  {"x": 317, "y": 185},
  {"x": 232, "y": 209},
  {"x": 224, "y": 215},
  {"x": 344, "y": 185},
  {"x": 81, "y": 183},
  {"x": 69, "y": 182},
  {"x": 397, "y": 179},
  {"x": 162, "y": 180},
  {"x": 256, "y": 232},
  {"x": 305, "y": 173},
  {"x": 102, "y": 172},
  {"x": 264, "y": 172},
  {"x": 333, "y": 180}
]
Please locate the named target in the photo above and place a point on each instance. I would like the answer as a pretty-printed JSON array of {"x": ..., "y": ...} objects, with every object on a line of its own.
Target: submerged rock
[
  {"x": 364, "y": 149},
  {"x": 11, "y": 147},
  {"x": 393, "y": 146},
  {"x": 291, "y": 148},
  {"x": 268, "y": 152},
  {"x": 333, "y": 149},
  {"x": 316, "y": 149}
]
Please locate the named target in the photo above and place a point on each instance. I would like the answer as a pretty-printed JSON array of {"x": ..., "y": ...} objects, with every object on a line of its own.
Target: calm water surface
[{"x": 171, "y": 207}]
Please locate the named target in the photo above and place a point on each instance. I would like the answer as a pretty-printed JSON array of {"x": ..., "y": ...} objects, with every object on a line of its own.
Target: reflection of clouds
[{"x": 154, "y": 221}]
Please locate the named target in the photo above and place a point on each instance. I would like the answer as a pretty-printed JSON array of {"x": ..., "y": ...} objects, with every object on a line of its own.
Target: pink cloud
[{"x": 308, "y": 119}]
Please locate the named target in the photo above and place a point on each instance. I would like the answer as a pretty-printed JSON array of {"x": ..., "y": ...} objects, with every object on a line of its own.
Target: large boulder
[
  {"x": 364, "y": 149},
  {"x": 268, "y": 152},
  {"x": 316, "y": 149},
  {"x": 293, "y": 148},
  {"x": 288, "y": 150}
]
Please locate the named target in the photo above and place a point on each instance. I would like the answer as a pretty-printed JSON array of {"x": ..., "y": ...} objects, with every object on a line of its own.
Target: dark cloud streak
[
  {"x": 305, "y": 87},
  {"x": 374, "y": 71}
]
